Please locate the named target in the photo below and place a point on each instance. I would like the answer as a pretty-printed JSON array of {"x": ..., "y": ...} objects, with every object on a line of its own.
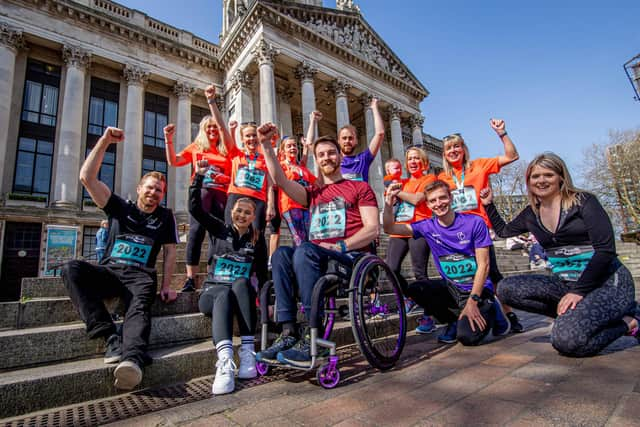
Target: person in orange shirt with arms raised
[
  {"x": 411, "y": 207},
  {"x": 218, "y": 151},
  {"x": 467, "y": 177}
]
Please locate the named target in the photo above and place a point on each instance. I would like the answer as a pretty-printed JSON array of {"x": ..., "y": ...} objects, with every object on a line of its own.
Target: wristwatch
[
  {"x": 342, "y": 245},
  {"x": 475, "y": 297}
]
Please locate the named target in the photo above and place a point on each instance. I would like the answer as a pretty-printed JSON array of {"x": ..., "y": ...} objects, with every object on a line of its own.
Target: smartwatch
[
  {"x": 475, "y": 297},
  {"x": 343, "y": 246}
]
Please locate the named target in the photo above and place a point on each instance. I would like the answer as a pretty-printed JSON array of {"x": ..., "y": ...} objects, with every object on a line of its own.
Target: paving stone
[
  {"x": 627, "y": 412},
  {"x": 330, "y": 411},
  {"x": 265, "y": 409},
  {"x": 517, "y": 390},
  {"x": 578, "y": 408},
  {"x": 478, "y": 410},
  {"x": 401, "y": 410},
  {"x": 509, "y": 360},
  {"x": 543, "y": 372}
]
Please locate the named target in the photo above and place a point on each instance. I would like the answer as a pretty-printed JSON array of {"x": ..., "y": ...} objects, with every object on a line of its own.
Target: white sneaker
[
  {"x": 128, "y": 375},
  {"x": 247, "y": 368},
  {"x": 223, "y": 382}
]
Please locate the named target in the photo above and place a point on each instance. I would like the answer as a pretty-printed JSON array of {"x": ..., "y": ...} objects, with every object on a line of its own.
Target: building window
[
  {"x": 156, "y": 111},
  {"x": 34, "y": 157},
  {"x": 197, "y": 113},
  {"x": 103, "y": 112},
  {"x": 89, "y": 243}
]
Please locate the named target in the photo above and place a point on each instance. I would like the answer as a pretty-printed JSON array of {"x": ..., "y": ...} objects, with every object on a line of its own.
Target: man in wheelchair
[
  {"x": 344, "y": 223},
  {"x": 464, "y": 297}
]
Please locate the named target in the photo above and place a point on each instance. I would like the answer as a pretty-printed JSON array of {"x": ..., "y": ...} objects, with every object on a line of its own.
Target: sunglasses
[
  {"x": 248, "y": 124},
  {"x": 412, "y": 146},
  {"x": 452, "y": 136}
]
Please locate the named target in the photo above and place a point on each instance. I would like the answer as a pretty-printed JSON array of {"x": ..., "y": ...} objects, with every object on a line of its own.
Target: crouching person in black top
[
  {"x": 239, "y": 250},
  {"x": 137, "y": 230}
]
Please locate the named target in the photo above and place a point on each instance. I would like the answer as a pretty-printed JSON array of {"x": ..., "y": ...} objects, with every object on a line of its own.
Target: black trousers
[
  {"x": 446, "y": 301},
  {"x": 88, "y": 285},
  {"x": 419, "y": 251},
  {"x": 221, "y": 301}
]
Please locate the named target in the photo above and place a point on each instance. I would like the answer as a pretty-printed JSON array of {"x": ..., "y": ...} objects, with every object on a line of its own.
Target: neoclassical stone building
[{"x": 69, "y": 68}]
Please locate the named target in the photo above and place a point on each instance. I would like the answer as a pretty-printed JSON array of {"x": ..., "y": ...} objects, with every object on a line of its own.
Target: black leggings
[
  {"x": 494, "y": 272},
  {"x": 213, "y": 201},
  {"x": 259, "y": 222},
  {"x": 419, "y": 251},
  {"x": 592, "y": 325},
  {"x": 445, "y": 302},
  {"x": 221, "y": 301}
]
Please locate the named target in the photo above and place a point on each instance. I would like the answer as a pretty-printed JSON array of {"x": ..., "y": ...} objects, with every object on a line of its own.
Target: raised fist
[
  {"x": 498, "y": 125},
  {"x": 315, "y": 116},
  {"x": 210, "y": 92},
  {"x": 169, "y": 130},
  {"x": 113, "y": 135}
]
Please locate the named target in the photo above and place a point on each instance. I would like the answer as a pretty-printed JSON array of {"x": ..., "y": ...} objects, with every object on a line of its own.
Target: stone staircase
[{"x": 46, "y": 360}]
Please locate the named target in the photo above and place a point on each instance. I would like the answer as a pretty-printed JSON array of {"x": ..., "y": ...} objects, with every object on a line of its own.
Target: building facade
[{"x": 70, "y": 68}]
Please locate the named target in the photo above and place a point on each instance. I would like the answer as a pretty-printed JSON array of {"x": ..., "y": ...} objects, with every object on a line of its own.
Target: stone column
[
  {"x": 340, "y": 87},
  {"x": 264, "y": 54},
  {"x": 397, "y": 147},
  {"x": 11, "y": 41},
  {"x": 376, "y": 171},
  {"x": 182, "y": 138},
  {"x": 241, "y": 83},
  {"x": 284, "y": 112},
  {"x": 305, "y": 73},
  {"x": 69, "y": 144},
  {"x": 416, "y": 129},
  {"x": 136, "y": 78}
]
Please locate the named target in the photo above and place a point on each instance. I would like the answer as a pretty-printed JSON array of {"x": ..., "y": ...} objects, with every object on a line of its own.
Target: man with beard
[
  {"x": 344, "y": 223},
  {"x": 356, "y": 166},
  {"x": 137, "y": 231}
]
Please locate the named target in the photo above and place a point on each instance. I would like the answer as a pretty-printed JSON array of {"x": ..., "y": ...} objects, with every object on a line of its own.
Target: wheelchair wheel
[
  {"x": 378, "y": 319},
  {"x": 328, "y": 375}
]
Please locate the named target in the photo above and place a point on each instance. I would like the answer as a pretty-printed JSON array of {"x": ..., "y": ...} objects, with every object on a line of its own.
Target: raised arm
[
  {"x": 215, "y": 226},
  {"x": 515, "y": 228},
  {"x": 510, "y": 153},
  {"x": 388, "y": 221},
  {"x": 307, "y": 141},
  {"x": 227, "y": 140},
  {"x": 172, "y": 159},
  {"x": 294, "y": 190},
  {"x": 378, "y": 124},
  {"x": 97, "y": 189}
]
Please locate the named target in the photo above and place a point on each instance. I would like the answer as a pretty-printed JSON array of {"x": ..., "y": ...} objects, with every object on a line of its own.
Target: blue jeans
[{"x": 300, "y": 268}]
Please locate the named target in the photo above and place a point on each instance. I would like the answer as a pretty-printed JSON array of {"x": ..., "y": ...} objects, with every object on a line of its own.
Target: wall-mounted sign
[{"x": 61, "y": 247}]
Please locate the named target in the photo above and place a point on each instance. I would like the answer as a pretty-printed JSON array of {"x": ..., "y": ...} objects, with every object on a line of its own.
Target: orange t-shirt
[
  {"x": 477, "y": 177},
  {"x": 302, "y": 176},
  {"x": 405, "y": 212},
  {"x": 218, "y": 175},
  {"x": 249, "y": 176}
]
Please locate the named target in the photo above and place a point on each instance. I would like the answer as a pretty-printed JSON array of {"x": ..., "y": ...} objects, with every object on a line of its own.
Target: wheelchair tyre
[
  {"x": 378, "y": 319},
  {"x": 328, "y": 376}
]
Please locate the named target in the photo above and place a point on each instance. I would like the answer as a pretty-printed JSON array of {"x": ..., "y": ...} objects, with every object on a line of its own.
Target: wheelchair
[{"x": 375, "y": 309}]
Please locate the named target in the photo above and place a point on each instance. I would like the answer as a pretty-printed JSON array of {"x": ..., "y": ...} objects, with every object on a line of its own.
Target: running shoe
[
  {"x": 189, "y": 285},
  {"x": 516, "y": 326},
  {"x": 450, "y": 334},
  {"x": 113, "y": 352},
  {"x": 247, "y": 369},
  {"x": 223, "y": 382},
  {"x": 283, "y": 342},
  {"x": 426, "y": 325},
  {"x": 128, "y": 375},
  {"x": 300, "y": 354}
]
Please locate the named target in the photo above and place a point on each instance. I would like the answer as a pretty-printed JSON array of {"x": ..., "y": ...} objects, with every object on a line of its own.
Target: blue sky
[{"x": 552, "y": 69}]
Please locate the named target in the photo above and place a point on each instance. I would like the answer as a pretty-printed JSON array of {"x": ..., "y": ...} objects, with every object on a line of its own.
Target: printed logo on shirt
[{"x": 461, "y": 238}]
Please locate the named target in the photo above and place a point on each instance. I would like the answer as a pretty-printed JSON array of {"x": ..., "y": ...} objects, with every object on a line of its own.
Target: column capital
[
  {"x": 339, "y": 87},
  {"x": 11, "y": 37},
  {"x": 285, "y": 94},
  {"x": 394, "y": 112},
  {"x": 305, "y": 71},
  {"x": 76, "y": 57},
  {"x": 365, "y": 100},
  {"x": 240, "y": 79},
  {"x": 416, "y": 121},
  {"x": 264, "y": 53},
  {"x": 183, "y": 90},
  {"x": 135, "y": 75}
]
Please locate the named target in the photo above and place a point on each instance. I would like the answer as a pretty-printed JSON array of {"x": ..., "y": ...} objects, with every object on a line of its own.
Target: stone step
[
  {"x": 33, "y": 346},
  {"x": 37, "y": 388},
  {"x": 38, "y": 312}
]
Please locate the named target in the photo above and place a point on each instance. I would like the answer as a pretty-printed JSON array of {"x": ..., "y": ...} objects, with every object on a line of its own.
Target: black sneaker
[
  {"x": 189, "y": 285},
  {"x": 113, "y": 354},
  {"x": 283, "y": 342},
  {"x": 516, "y": 326}
]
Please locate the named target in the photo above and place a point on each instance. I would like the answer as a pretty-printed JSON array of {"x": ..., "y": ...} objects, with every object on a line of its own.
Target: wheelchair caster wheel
[
  {"x": 262, "y": 368},
  {"x": 328, "y": 375}
]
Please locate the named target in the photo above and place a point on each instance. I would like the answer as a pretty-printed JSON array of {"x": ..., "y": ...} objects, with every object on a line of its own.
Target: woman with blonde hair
[
  {"x": 590, "y": 294},
  {"x": 466, "y": 177},
  {"x": 208, "y": 145}
]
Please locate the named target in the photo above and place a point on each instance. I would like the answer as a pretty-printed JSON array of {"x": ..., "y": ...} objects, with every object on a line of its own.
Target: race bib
[
  {"x": 252, "y": 179},
  {"x": 131, "y": 249},
  {"x": 228, "y": 268},
  {"x": 404, "y": 211},
  {"x": 328, "y": 220},
  {"x": 214, "y": 178},
  {"x": 464, "y": 199},
  {"x": 352, "y": 176},
  {"x": 459, "y": 268},
  {"x": 568, "y": 262}
]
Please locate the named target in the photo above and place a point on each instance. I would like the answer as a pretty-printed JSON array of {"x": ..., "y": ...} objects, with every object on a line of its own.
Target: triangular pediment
[{"x": 348, "y": 31}]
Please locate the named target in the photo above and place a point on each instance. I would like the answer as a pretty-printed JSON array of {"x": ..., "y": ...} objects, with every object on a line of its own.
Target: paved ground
[{"x": 516, "y": 381}]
